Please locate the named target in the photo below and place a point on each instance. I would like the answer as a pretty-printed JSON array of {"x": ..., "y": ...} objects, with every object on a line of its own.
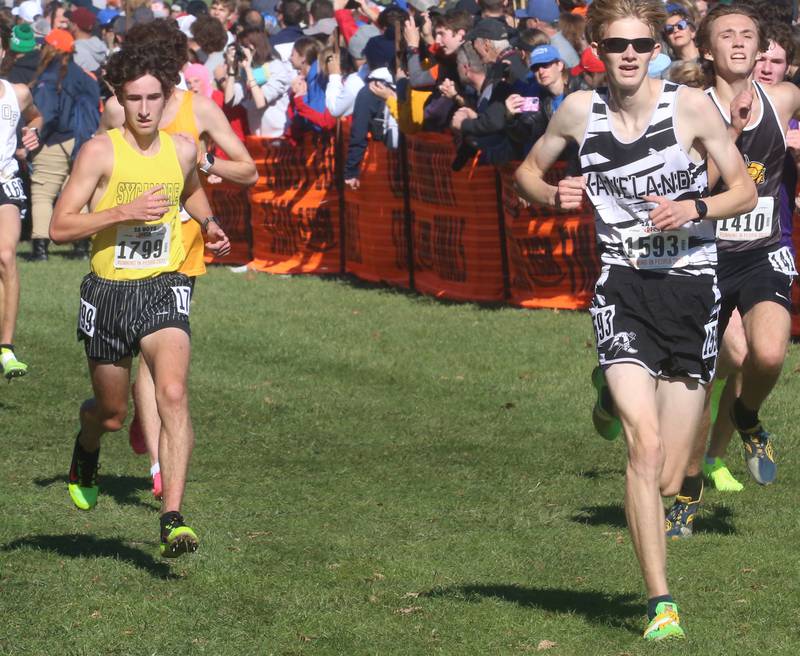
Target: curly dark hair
[
  {"x": 131, "y": 63},
  {"x": 162, "y": 32},
  {"x": 209, "y": 34}
]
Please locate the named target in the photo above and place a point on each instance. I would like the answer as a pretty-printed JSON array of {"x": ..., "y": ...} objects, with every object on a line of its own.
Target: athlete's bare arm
[
  {"x": 31, "y": 118},
  {"x": 194, "y": 198},
  {"x": 239, "y": 168},
  {"x": 786, "y": 98},
  {"x": 699, "y": 123},
  {"x": 90, "y": 174},
  {"x": 567, "y": 125},
  {"x": 113, "y": 116}
]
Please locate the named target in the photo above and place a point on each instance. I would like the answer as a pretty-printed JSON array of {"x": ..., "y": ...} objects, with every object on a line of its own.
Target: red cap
[
  {"x": 83, "y": 18},
  {"x": 590, "y": 63},
  {"x": 60, "y": 40}
]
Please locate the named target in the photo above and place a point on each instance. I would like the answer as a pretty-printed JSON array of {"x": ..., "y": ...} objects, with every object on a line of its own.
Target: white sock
[{"x": 155, "y": 469}]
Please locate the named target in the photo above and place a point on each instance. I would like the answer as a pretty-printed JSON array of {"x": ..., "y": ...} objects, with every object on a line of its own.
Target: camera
[{"x": 239, "y": 51}]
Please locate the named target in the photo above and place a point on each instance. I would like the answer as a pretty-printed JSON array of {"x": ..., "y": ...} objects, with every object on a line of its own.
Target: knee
[
  {"x": 172, "y": 396},
  {"x": 769, "y": 357},
  {"x": 645, "y": 453},
  {"x": 111, "y": 419},
  {"x": 8, "y": 259}
]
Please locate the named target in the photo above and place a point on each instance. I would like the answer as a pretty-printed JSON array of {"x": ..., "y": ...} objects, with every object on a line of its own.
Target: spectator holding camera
[
  {"x": 344, "y": 81},
  {"x": 257, "y": 79},
  {"x": 482, "y": 128},
  {"x": 438, "y": 70},
  {"x": 491, "y": 40}
]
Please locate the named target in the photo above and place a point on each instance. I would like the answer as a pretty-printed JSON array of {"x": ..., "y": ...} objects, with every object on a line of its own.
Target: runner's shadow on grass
[
  {"x": 617, "y": 610},
  {"x": 123, "y": 489},
  {"x": 715, "y": 518},
  {"x": 76, "y": 545},
  {"x": 712, "y": 519},
  {"x": 611, "y": 514},
  {"x": 596, "y": 473}
]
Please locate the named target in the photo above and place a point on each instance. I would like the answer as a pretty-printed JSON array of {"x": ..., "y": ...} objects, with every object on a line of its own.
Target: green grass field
[{"x": 375, "y": 473}]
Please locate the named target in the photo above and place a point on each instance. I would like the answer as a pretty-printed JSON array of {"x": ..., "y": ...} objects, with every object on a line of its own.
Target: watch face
[{"x": 210, "y": 159}]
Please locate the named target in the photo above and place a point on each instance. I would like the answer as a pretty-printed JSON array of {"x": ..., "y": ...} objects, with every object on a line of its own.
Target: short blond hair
[
  {"x": 603, "y": 12},
  {"x": 688, "y": 72}
]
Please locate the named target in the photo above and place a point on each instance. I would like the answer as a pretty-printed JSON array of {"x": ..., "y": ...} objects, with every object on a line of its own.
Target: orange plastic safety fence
[
  {"x": 456, "y": 237},
  {"x": 231, "y": 205},
  {"x": 552, "y": 255},
  {"x": 376, "y": 247},
  {"x": 294, "y": 206}
]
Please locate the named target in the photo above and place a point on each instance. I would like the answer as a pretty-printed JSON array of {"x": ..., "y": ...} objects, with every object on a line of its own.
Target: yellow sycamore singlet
[
  {"x": 135, "y": 250},
  {"x": 193, "y": 243}
]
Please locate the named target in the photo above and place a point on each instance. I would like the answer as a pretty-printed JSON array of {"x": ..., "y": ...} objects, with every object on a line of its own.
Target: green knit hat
[{"x": 22, "y": 39}]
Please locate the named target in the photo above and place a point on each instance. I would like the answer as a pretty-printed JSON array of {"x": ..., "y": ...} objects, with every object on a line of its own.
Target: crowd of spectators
[{"x": 489, "y": 73}]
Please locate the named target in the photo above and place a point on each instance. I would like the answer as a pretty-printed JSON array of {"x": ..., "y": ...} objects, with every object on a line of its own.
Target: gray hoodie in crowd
[{"x": 90, "y": 53}]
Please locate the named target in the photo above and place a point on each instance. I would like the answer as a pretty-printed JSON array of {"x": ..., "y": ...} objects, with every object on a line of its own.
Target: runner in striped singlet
[{"x": 642, "y": 151}]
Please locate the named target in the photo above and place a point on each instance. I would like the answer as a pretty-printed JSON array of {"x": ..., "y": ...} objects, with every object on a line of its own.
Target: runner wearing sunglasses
[{"x": 640, "y": 143}]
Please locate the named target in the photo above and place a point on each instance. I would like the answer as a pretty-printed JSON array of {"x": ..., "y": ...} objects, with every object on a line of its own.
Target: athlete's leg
[
  {"x": 680, "y": 416},
  {"x": 9, "y": 278},
  {"x": 767, "y": 328},
  {"x": 144, "y": 399},
  {"x": 634, "y": 393},
  {"x": 106, "y": 411},
  {"x": 731, "y": 359},
  {"x": 167, "y": 352}
]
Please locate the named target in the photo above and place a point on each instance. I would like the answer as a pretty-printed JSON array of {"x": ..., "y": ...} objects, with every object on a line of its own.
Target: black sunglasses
[
  {"x": 680, "y": 25},
  {"x": 618, "y": 45}
]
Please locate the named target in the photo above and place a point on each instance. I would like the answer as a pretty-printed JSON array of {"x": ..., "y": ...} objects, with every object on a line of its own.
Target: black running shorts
[
  {"x": 664, "y": 323},
  {"x": 13, "y": 193},
  {"x": 115, "y": 314},
  {"x": 749, "y": 277}
]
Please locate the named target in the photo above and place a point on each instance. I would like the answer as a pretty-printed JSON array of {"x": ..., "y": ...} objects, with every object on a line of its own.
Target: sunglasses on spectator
[
  {"x": 536, "y": 67},
  {"x": 682, "y": 24},
  {"x": 617, "y": 45}
]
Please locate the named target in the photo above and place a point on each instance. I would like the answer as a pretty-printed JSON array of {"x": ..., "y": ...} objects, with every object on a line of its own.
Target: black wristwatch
[
  {"x": 204, "y": 223},
  {"x": 701, "y": 208},
  {"x": 207, "y": 162}
]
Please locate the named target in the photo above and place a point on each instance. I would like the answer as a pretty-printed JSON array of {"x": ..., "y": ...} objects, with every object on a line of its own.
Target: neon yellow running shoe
[
  {"x": 83, "y": 477},
  {"x": 721, "y": 477},
  {"x": 176, "y": 538},
  {"x": 666, "y": 624},
  {"x": 605, "y": 421},
  {"x": 12, "y": 368}
]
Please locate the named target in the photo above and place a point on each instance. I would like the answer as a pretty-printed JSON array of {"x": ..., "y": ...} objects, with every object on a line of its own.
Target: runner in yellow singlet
[
  {"x": 199, "y": 118},
  {"x": 134, "y": 180}
]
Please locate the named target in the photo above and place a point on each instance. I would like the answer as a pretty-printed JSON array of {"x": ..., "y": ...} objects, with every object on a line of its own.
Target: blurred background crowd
[{"x": 486, "y": 71}]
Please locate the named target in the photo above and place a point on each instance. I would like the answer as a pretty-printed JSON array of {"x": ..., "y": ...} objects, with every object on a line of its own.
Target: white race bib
[
  {"x": 183, "y": 295},
  {"x": 756, "y": 224},
  {"x": 782, "y": 261},
  {"x": 86, "y": 318},
  {"x": 603, "y": 320},
  {"x": 142, "y": 246},
  {"x": 655, "y": 250}
]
